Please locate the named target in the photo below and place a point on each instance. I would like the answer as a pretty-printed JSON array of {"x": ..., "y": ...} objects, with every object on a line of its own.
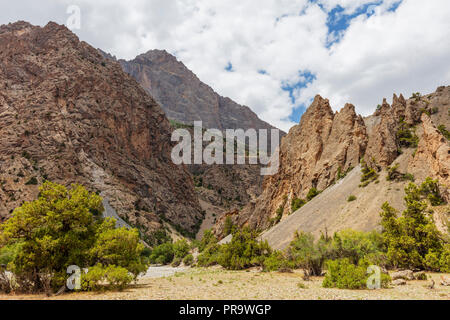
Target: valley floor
[{"x": 214, "y": 283}]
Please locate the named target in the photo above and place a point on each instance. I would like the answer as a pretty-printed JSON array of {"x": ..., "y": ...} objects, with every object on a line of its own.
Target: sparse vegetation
[
  {"x": 442, "y": 129},
  {"x": 394, "y": 175},
  {"x": 297, "y": 203},
  {"x": 406, "y": 136},
  {"x": 351, "y": 198},
  {"x": 312, "y": 193},
  {"x": 368, "y": 174}
]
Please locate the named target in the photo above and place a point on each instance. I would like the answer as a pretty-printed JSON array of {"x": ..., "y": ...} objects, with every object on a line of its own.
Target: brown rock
[
  {"x": 432, "y": 158},
  {"x": 311, "y": 155},
  {"x": 69, "y": 115}
]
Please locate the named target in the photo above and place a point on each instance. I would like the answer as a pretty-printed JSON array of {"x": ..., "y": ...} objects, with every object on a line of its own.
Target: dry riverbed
[{"x": 214, "y": 283}]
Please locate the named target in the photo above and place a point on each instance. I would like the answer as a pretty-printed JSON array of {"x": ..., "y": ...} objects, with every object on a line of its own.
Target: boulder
[
  {"x": 404, "y": 274},
  {"x": 399, "y": 282}
]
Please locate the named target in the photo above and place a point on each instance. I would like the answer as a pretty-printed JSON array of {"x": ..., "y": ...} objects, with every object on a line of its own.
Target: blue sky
[
  {"x": 276, "y": 59},
  {"x": 337, "y": 23}
]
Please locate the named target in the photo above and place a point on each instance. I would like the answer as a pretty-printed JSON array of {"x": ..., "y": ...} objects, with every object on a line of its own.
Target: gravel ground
[
  {"x": 162, "y": 271},
  {"x": 214, "y": 283}
]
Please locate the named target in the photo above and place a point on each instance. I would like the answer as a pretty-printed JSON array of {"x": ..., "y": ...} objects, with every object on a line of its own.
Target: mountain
[
  {"x": 325, "y": 151},
  {"x": 184, "y": 98},
  {"x": 69, "y": 115}
]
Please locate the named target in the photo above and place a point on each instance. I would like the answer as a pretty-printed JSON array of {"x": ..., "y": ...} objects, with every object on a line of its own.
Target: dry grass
[{"x": 214, "y": 283}]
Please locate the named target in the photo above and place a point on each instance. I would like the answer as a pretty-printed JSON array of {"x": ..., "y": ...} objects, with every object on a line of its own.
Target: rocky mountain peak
[{"x": 69, "y": 115}]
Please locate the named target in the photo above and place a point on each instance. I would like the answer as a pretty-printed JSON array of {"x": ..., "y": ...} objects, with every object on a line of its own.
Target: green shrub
[
  {"x": 343, "y": 274},
  {"x": 209, "y": 256},
  {"x": 394, "y": 175},
  {"x": 430, "y": 190},
  {"x": 307, "y": 254},
  {"x": 228, "y": 227},
  {"x": 181, "y": 248},
  {"x": 442, "y": 129},
  {"x": 9, "y": 252},
  {"x": 208, "y": 239},
  {"x": 297, "y": 203},
  {"x": 243, "y": 251},
  {"x": 312, "y": 193},
  {"x": 277, "y": 262},
  {"x": 406, "y": 136},
  {"x": 412, "y": 240},
  {"x": 162, "y": 254},
  {"x": 188, "y": 260},
  {"x": 356, "y": 246},
  {"x": 351, "y": 198},
  {"x": 62, "y": 228},
  {"x": 368, "y": 174},
  {"x": 444, "y": 261},
  {"x": 176, "y": 262},
  {"x": 102, "y": 277}
]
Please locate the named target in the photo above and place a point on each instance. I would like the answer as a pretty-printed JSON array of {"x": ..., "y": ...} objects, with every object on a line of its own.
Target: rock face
[
  {"x": 69, "y": 115},
  {"x": 184, "y": 98},
  {"x": 311, "y": 155},
  {"x": 432, "y": 158},
  {"x": 326, "y": 145},
  {"x": 382, "y": 146}
]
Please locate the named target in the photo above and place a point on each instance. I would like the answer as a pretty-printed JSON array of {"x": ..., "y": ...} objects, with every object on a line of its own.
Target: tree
[
  {"x": 62, "y": 228},
  {"x": 308, "y": 254},
  {"x": 413, "y": 236},
  {"x": 243, "y": 251}
]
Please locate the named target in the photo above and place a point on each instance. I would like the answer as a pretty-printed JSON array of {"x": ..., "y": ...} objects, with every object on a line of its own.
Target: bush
[
  {"x": 176, "y": 262},
  {"x": 430, "y": 190},
  {"x": 243, "y": 251},
  {"x": 162, "y": 254},
  {"x": 444, "y": 261},
  {"x": 207, "y": 240},
  {"x": 343, "y": 274},
  {"x": 188, "y": 260},
  {"x": 209, "y": 256},
  {"x": 368, "y": 174},
  {"x": 351, "y": 198},
  {"x": 120, "y": 247},
  {"x": 277, "y": 262},
  {"x": 102, "y": 277},
  {"x": 412, "y": 240},
  {"x": 312, "y": 193},
  {"x": 307, "y": 254},
  {"x": 9, "y": 253},
  {"x": 356, "y": 245},
  {"x": 297, "y": 203},
  {"x": 406, "y": 136},
  {"x": 56, "y": 230},
  {"x": 181, "y": 248},
  {"x": 229, "y": 226},
  {"x": 443, "y": 130}
]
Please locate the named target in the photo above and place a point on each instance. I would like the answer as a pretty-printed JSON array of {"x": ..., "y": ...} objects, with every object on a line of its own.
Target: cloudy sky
[{"x": 274, "y": 55}]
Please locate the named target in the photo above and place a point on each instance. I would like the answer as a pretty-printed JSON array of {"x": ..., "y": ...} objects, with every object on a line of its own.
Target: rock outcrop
[
  {"x": 69, "y": 115},
  {"x": 432, "y": 158},
  {"x": 325, "y": 145},
  {"x": 312, "y": 155},
  {"x": 184, "y": 98}
]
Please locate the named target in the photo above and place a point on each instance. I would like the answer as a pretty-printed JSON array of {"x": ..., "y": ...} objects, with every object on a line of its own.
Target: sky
[{"x": 273, "y": 55}]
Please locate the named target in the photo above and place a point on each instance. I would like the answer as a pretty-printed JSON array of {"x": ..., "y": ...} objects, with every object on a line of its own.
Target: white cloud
[{"x": 402, "y": 51}]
